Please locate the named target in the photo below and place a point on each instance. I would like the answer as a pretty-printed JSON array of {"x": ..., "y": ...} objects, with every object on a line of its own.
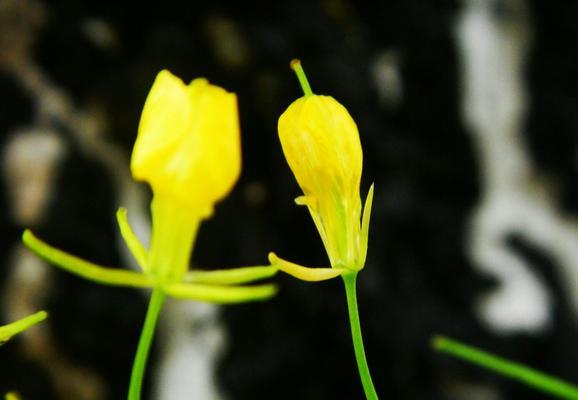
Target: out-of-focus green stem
[
  {"x": 519, "y": 372},
  {"x": 144, "y": 344},
  {"x": 7, "y": 331},
  {"x": 349, "y": 279}
]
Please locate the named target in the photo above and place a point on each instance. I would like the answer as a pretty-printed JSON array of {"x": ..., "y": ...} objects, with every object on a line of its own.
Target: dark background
[{"x": 419, "y": 279}]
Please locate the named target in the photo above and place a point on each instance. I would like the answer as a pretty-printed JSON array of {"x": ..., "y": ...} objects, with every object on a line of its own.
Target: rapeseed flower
[
  {"x": 321, "y": 143},
  {"x": 188, "y": 150}
]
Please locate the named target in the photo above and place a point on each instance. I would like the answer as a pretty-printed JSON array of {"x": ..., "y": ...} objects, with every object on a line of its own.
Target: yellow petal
[
  {"x": 188, "y": 146},
  {"x": 321, "y": 143},
  {"x": 165, "y": 119}
]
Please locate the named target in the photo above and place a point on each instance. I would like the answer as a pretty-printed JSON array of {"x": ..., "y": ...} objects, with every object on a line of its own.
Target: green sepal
[
  {"x": 220, "y": 294},
  {"x": 85, "y": 269},
  {"x": 233, "y": 276},
  {"x": 365, "y": 225},
  {"x": 310, "y": 202},
  {"x": 7, "y": 331},
  {"x": 305, "y": 273},
  {"x": 136, "y": 248}
]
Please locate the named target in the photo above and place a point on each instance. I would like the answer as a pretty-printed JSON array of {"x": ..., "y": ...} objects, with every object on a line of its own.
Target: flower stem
[
  {"x": 349, "y": 280},
  {"x": 144, "y": 344},
  {"x": 296, "y": 66},
  {"x": 519, "y": 372},
  {"x": 7, "y": 331}
]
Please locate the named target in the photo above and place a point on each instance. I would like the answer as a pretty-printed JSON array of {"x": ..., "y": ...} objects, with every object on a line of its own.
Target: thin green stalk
[
  {"x": 519, "y": 372},
  {"x": 350, "y": 290},
  {"x": 296, "y": 66},
  {"x": 144, "y": 344}
]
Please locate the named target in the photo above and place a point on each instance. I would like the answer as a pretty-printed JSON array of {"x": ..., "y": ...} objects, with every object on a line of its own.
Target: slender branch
[
  {"x": 7, "y": 331},
  {"x": 83, "y": 268},
  {"x": 350, "y": 290},
  {"x": 519, "y": 372},
  {"x": 144, "y": 344},
  {"x": 139, "y": 252}
]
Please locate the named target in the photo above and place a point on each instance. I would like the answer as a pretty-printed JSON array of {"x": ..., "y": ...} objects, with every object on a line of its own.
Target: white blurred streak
[
  {"x": 30, "y": 164},
  {"x": 192, "y": 340},
  {"x": 471, "y": 391},
  {"x": 100, "y": 33},
  {"x": 494, "y": 50},
  {"x": 386, "y": 74}
]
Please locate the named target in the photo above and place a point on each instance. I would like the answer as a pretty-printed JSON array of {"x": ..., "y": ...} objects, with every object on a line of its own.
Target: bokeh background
[{"x": 468, "y": 115}]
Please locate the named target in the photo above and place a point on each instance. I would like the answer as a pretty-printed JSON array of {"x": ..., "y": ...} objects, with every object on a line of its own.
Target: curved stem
[
  {"x": 144, "y": 344},
  {"x": 349, "y": 280}
]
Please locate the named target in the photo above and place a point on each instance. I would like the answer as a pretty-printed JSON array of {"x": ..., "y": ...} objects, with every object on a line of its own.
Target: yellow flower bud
[
  {"x": 188, "y": 145},
  {"x": 321, "y": 143},
  {"x": 188, "y": 149}
]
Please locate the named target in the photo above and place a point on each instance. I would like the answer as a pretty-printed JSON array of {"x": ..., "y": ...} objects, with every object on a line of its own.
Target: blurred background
[{"x": 468, "y": 115}]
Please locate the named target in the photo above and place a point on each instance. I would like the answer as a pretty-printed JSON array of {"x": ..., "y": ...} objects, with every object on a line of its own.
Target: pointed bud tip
[
  {"x": 27, "y": 235},
  {"x": 42, "y": 315},
  {"x": 437, "y": 342},
  {"x": 295, "y": 64},
  {"x": 272, "y": 257}
]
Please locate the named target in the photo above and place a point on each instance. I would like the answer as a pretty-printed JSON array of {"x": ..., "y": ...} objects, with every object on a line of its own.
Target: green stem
[
  {"x": 144, "y": 344},
  {"x": 531, "y": 377},
  {"x": 349, "y": 280},
  {"x": 7, "y": 331},
  {"x": 296, "y": 66}
]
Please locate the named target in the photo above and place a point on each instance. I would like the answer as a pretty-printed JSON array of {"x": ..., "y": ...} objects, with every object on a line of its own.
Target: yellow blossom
[
  {"x": 188, "y": 145},
  {"x": 321, "y": 143},
  {"x": 188, "y": 149}
]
